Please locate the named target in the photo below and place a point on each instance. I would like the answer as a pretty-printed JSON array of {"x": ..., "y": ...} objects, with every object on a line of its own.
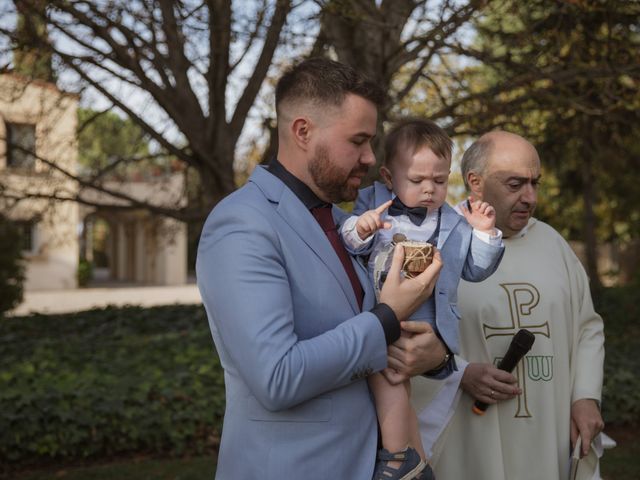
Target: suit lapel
[
  {"x": 448, "y": 221},
  {"x": 296, "y": 215}
]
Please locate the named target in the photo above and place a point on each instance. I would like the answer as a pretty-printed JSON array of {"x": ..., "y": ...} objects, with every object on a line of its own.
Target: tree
[
  {"x": 11, "y": 266},
  {"x": 400, "y": 44},
  {"x": 178, "y": 57},
  {"x": 201, "y": 66},
  {"x": 576, "y": 66},
  {"x": 184, "y": 56},
  {"x": 31, "y": 32},
  {"x": 110, "y": 146},
  {"x": 389, "y": 37}
]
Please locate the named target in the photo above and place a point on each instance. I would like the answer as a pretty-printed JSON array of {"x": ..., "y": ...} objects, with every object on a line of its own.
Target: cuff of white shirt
[
  {"x": 493, "y": 240},
  {"x": 350, "y": 235}
]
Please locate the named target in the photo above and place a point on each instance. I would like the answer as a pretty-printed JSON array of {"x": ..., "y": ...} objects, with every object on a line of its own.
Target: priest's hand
[
  {"x": 418, "y": 350},
  {"x": 586, "y": 421},
  {"x": 489, "y": 384}
]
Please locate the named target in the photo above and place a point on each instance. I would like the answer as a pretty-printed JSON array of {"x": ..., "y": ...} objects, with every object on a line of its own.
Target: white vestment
[{"x": 541, "y": 286}]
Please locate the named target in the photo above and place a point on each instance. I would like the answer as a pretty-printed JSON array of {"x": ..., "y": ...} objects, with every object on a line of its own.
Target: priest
[{"x": 546, "y": 412}]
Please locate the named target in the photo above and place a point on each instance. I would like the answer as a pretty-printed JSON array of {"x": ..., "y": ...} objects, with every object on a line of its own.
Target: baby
[{"x": 415, "y": 174}]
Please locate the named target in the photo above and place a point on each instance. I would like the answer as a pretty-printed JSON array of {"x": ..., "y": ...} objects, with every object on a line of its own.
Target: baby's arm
[
  {"x": 370, "y": 221},
  {"x": 480, "y": 215}
]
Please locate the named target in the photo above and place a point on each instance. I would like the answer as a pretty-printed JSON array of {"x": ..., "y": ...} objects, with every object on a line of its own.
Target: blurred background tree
[
  {"x": 191, "y": 85},
  {"x": 575, "y": 67}
]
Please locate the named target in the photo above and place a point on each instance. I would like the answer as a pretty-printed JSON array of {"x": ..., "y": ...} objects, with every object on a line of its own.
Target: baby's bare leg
[{"x": 394, "y": 413}]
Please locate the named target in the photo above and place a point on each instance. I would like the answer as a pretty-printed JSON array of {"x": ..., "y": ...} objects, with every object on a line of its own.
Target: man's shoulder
[
  {"x": 244, "y": 203},
  {"x": 539, "y": 228},
  {"x": 549, "y": 240}
]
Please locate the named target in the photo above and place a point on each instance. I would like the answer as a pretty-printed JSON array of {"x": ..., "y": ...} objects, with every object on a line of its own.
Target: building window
[
  {"x": 27, "y": 229},
  {"x": 21, "y": 145}
]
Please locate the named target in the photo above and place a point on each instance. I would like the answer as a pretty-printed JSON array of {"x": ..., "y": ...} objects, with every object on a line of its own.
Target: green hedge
[
  {"x": 107, "y": 382},
  {"x": 124, "y": 380},
  {"x": 620, "y": 310},
  {"x": 11, "y": 265}
]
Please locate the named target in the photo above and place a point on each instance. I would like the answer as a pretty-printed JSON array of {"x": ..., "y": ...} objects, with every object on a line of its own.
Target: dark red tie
[{"x": 325, "y": 219}]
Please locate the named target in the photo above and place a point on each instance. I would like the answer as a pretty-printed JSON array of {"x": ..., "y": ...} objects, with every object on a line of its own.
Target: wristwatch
[{"x": 447, "y": 357}]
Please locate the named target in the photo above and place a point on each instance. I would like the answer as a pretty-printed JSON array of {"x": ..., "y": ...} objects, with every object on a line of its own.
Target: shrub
[
  {"x": 128, "y": 380},
  {"x": 11, "y": 265},
  {"x": 621, "y": 391},
  {"x": 106, "y": 382},
  {"x": 85, "y": 273}
]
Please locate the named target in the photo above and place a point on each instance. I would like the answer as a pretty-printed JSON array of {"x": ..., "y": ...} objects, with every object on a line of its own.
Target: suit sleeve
[
  {"x": 482, "y": 260},
  {"x": 245, "y": 286}
]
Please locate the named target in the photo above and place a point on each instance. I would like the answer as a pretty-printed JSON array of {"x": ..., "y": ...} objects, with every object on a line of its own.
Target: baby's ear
[{"x": 385, "y": 174}]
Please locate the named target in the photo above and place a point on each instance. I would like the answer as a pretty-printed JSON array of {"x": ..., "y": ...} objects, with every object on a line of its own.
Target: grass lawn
[
  {"x": 194, "y": 468},
  {"x": 620, "y": 463},
  {"x": 623, "y": 461}
]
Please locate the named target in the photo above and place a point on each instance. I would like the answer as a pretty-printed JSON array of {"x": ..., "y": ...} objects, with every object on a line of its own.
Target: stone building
[
  {"x": 38, "y": 157},
  {"x": 38, "y": 130}
]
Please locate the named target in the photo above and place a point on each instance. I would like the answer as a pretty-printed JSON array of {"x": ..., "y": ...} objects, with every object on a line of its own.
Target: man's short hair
[
  {"x": 324, "y": 82},
  {"x": 475, "y": 158},
  {"x": 414, "y": 134}
]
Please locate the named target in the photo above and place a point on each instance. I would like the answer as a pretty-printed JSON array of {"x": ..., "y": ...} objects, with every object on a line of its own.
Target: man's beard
[{"x": 332, "y": 181}]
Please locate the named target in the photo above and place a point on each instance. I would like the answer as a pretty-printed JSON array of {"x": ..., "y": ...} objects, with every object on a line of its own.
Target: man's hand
[
  {"x": 404, "y": 295},
  {"x": 371, "y": 221},
  {"x": 414, "y": 353},
  {"x": 489, "y": 384},
  {"x": 586, "y": 421},
  {"x": 480, "y": 216}
]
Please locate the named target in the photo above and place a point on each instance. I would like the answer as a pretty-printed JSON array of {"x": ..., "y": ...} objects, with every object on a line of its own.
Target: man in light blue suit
[{"x": 293, "y": 317}]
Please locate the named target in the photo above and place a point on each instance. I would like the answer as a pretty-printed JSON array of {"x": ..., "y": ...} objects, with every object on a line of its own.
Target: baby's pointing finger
[{"x": 383, "y": 207}]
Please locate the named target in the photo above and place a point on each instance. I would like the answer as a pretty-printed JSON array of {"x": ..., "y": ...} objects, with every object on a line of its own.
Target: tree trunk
[{"x": 588, "y": 199}]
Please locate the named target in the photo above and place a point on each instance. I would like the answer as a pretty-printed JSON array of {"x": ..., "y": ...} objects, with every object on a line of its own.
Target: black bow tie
[{"x": 415, "y": 214}]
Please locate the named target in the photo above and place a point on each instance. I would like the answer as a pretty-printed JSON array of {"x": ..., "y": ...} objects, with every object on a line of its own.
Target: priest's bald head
[{"x": 503, "y": 169}]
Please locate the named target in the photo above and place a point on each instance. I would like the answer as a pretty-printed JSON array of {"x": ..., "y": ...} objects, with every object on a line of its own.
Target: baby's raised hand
[
  {"x": 370, "y": 221},
  {"x": 480, "y": 216}
]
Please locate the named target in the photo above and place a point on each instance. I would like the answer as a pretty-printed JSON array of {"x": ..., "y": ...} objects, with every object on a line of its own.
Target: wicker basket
[{"x": 417, "y": 257}]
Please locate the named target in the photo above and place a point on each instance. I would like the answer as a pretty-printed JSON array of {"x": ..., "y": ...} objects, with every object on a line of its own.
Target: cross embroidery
[{"x": 523, "y": 298}]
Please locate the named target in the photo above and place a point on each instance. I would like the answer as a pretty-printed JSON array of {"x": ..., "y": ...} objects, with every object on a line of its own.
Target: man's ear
[
  {"x": 385, "y": 174},
  {"x": 476, "y": 184},
  {"x": 301, "y": 132}
]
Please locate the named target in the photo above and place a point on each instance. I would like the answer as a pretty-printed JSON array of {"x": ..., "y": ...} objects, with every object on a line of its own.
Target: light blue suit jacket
[
  {"x": 463, "y": 256},
  {"x": 293, "y": 344}
]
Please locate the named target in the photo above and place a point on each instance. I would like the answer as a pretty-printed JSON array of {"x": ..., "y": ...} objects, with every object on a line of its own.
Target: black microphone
[{"x": 520, "y": 344}]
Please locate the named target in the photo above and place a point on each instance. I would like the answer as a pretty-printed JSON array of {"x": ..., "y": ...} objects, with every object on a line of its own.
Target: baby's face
[{"x": 421, "y": 179}]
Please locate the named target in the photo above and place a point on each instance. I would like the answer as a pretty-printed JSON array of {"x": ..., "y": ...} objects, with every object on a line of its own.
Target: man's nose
[
  {"x": 368, "y": 157},
  {"x": 529, "y": 194}
]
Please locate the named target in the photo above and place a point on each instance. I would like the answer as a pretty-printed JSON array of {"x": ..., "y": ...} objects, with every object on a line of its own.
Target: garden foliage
[
  {"x": 130, "y": 380},
  {"x": 11, "y": 265},
  {"x": 621, "y": 392},
  {"x": 108, "y": 382}
]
